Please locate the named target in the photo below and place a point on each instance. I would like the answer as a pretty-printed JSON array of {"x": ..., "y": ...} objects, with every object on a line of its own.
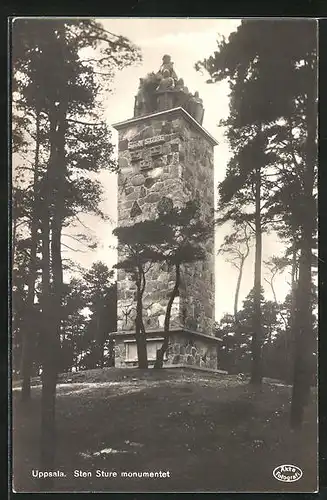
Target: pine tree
[
  {"x": 236, "y": 249},
  {"x": 272, "y": 69},
  {"x": 101, "y": 299},
  {"x": 138, "y": 244},
  {"x": 48, "y": 59}
]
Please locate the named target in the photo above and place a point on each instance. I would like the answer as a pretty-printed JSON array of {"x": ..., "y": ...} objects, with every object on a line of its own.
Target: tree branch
[
  {"x": 250, "y": 225},
  {"x": 73, "y": 249},
  {"x": 75, "y": 238},
  {"x": 85, "y": 123}
]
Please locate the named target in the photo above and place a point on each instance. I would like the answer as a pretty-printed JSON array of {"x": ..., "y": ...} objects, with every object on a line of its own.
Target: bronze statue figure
[
  {"x": 180, "y": 84},
  {"x": 163, "y": 90},
  {"x": 182, "y": 94},
  {"x": 166, "y": 83},
  {"x": 168, "y": 65}
]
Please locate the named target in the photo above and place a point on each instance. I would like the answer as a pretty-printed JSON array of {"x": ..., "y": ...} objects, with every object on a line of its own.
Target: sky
[{"x": 187, "y": 41}]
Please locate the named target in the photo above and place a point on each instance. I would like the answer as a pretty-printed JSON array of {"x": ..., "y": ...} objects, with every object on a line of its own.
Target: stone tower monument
[{"x": 166, "y": 158}]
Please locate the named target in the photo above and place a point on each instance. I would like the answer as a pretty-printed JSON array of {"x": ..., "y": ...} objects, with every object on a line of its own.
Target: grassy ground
[{"x": 211, "y": 432}]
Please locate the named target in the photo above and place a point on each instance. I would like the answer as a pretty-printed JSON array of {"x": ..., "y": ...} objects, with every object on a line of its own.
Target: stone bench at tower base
[{"x": 186, "y": 348}]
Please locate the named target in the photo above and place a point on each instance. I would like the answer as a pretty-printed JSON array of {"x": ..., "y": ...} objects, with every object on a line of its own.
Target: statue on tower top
[
  {"x": 166, "y": 82},
  {"x": 167, "y": 65},
  {"x": 163, "y": 90}
]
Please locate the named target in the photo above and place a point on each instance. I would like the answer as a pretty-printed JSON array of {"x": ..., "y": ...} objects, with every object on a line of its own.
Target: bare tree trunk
[
  {"x": 101, "y": 340},
  {"x": 98, "y": 345},
  {"x": 271, "y": 284},
  {"x": 231, "y": 355},
  {"x": 294, "y": 276},
  {"x": 303, "y": 313},
  {"x": 256, "y": 372},
  {"x": 111, "y": 348},
  {"x": 51, "y": 346},
  {"x": 290, "y": 331},
  {"x": 101, "y": 355},
  {"x": 140, "y": 334},
  {"x": 238, "y": 286},
  {"x": 48, "y": 350},
  {"x": 14, "y": 226},
  {"x": 29, "y": 333},
  {"x": 161, "y": 352},
  {"x": 303, "y": 340}
]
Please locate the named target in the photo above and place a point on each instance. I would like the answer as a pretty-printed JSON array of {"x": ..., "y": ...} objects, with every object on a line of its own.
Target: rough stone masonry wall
[
  {"x": 198, "y": 180},
  {"x": 191, "y": 351},
  {"x": 177, "y": 164},
  {"x": 184, "y": 349},
  {"x": 140, "y": 190}
]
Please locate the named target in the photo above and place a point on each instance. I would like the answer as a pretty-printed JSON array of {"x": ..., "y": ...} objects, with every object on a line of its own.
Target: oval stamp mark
[{"x": 287, "y": 473}]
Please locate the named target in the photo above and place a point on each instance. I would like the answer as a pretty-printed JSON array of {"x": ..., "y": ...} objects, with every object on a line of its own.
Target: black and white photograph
[{"x": 164, "y": 249}]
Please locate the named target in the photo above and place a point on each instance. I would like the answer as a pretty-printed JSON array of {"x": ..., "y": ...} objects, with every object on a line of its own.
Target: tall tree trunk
[
  {"x": 29, "y": 333},
  {"x": 271, "y": 283},
  {"x": 231, "y": 355},
  {"x": 111, "y": 349},
  {"x": 290, "y": 332},
  {"x": 14, "y": 226},
  {"x": 51, "y": 342},
  {"x": 303, "y": 339},
  {"x": 101, "y": 340},
  {"x": 161, "y": 352},
  {"x": 256, "y": 372},
  {"x": 140, "y": 335},
  {"x": 97, "y": 345},
  {"x": 238, "y": 286},
  {"x": 47, "y": 438},
  {"x": 101, "y": 357},
  {"x": 303, "y": 314}
]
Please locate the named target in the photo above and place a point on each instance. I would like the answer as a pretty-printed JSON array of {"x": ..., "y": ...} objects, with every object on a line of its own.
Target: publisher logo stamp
[{"x": 287, "y": 473}]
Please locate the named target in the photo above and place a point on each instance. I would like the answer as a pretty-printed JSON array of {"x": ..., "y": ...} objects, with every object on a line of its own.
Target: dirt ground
[{"x": 202, "y": 431}]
